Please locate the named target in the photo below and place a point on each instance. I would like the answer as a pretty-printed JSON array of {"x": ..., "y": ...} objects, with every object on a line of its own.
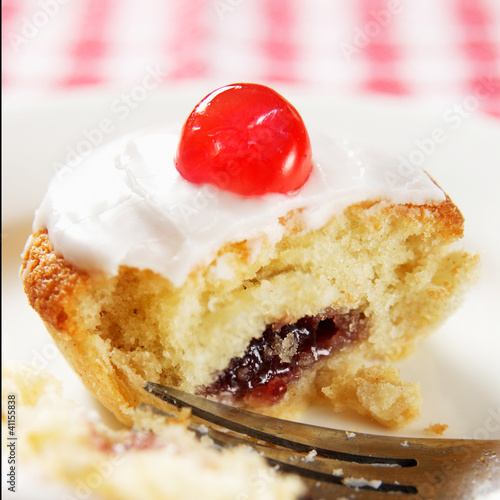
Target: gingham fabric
[{"x": 436, "y": 50}]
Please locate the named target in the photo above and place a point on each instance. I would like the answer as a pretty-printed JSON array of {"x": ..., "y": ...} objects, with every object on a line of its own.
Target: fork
[{"x": 341, "y": 464}]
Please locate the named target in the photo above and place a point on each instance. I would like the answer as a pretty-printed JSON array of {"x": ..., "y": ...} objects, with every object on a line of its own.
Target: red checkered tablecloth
[{"x": 434, "y": 50}]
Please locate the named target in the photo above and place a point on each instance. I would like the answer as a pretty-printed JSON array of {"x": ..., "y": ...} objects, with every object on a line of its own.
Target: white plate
[{"x": 457, "y": 367}]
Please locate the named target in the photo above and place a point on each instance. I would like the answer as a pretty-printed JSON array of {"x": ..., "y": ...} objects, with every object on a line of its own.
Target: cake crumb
[
  {"x": 287, "y": 348},
  {"x": 350, "y": 435},
  {"x": 212, "y": 303},
  {"x": 338, "y": 472},
  {"x": 405, "y": 444},
  {"x": 203, "y": 429},
  {"x": 310, "y": 456},
  {"x": 359, "y": 482},
  {"x": 436, "y": 429}
]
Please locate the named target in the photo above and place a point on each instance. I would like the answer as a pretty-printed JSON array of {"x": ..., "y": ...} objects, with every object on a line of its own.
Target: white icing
[{"x": 126, "y": 204}]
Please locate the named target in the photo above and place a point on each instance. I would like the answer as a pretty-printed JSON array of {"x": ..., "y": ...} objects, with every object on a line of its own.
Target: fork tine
[
  {"x": 449, "y": 468},
  {"x": 293, "y": 435},
  {"x": 320, "y": 474}
]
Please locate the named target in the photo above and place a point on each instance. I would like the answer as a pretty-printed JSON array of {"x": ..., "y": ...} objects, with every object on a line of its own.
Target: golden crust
[
  {"x": 446, "y": 215},
  {"x": 50, "y": 282},
  {"x": 446, "y": 218}
]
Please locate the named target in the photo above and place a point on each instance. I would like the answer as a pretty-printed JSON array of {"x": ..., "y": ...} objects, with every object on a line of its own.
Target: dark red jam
[{"x": 280, "y": 356}]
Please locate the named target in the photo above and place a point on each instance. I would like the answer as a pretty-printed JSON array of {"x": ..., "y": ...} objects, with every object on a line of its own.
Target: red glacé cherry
[{"x": 247, "y": 139}]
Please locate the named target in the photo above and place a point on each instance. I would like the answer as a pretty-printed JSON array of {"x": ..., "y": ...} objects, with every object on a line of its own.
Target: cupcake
[{"x": 248, "y": 260}]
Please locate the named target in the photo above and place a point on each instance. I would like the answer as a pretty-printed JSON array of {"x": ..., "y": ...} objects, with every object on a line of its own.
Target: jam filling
[{"x": 281, "y": 355}]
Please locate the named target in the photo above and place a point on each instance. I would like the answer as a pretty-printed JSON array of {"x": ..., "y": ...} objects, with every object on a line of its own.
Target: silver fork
[{"x": 335, "y": 463}]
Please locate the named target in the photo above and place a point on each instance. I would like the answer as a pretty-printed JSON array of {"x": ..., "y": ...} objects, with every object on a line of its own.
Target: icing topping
[{"x": 126, "y": 204}]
